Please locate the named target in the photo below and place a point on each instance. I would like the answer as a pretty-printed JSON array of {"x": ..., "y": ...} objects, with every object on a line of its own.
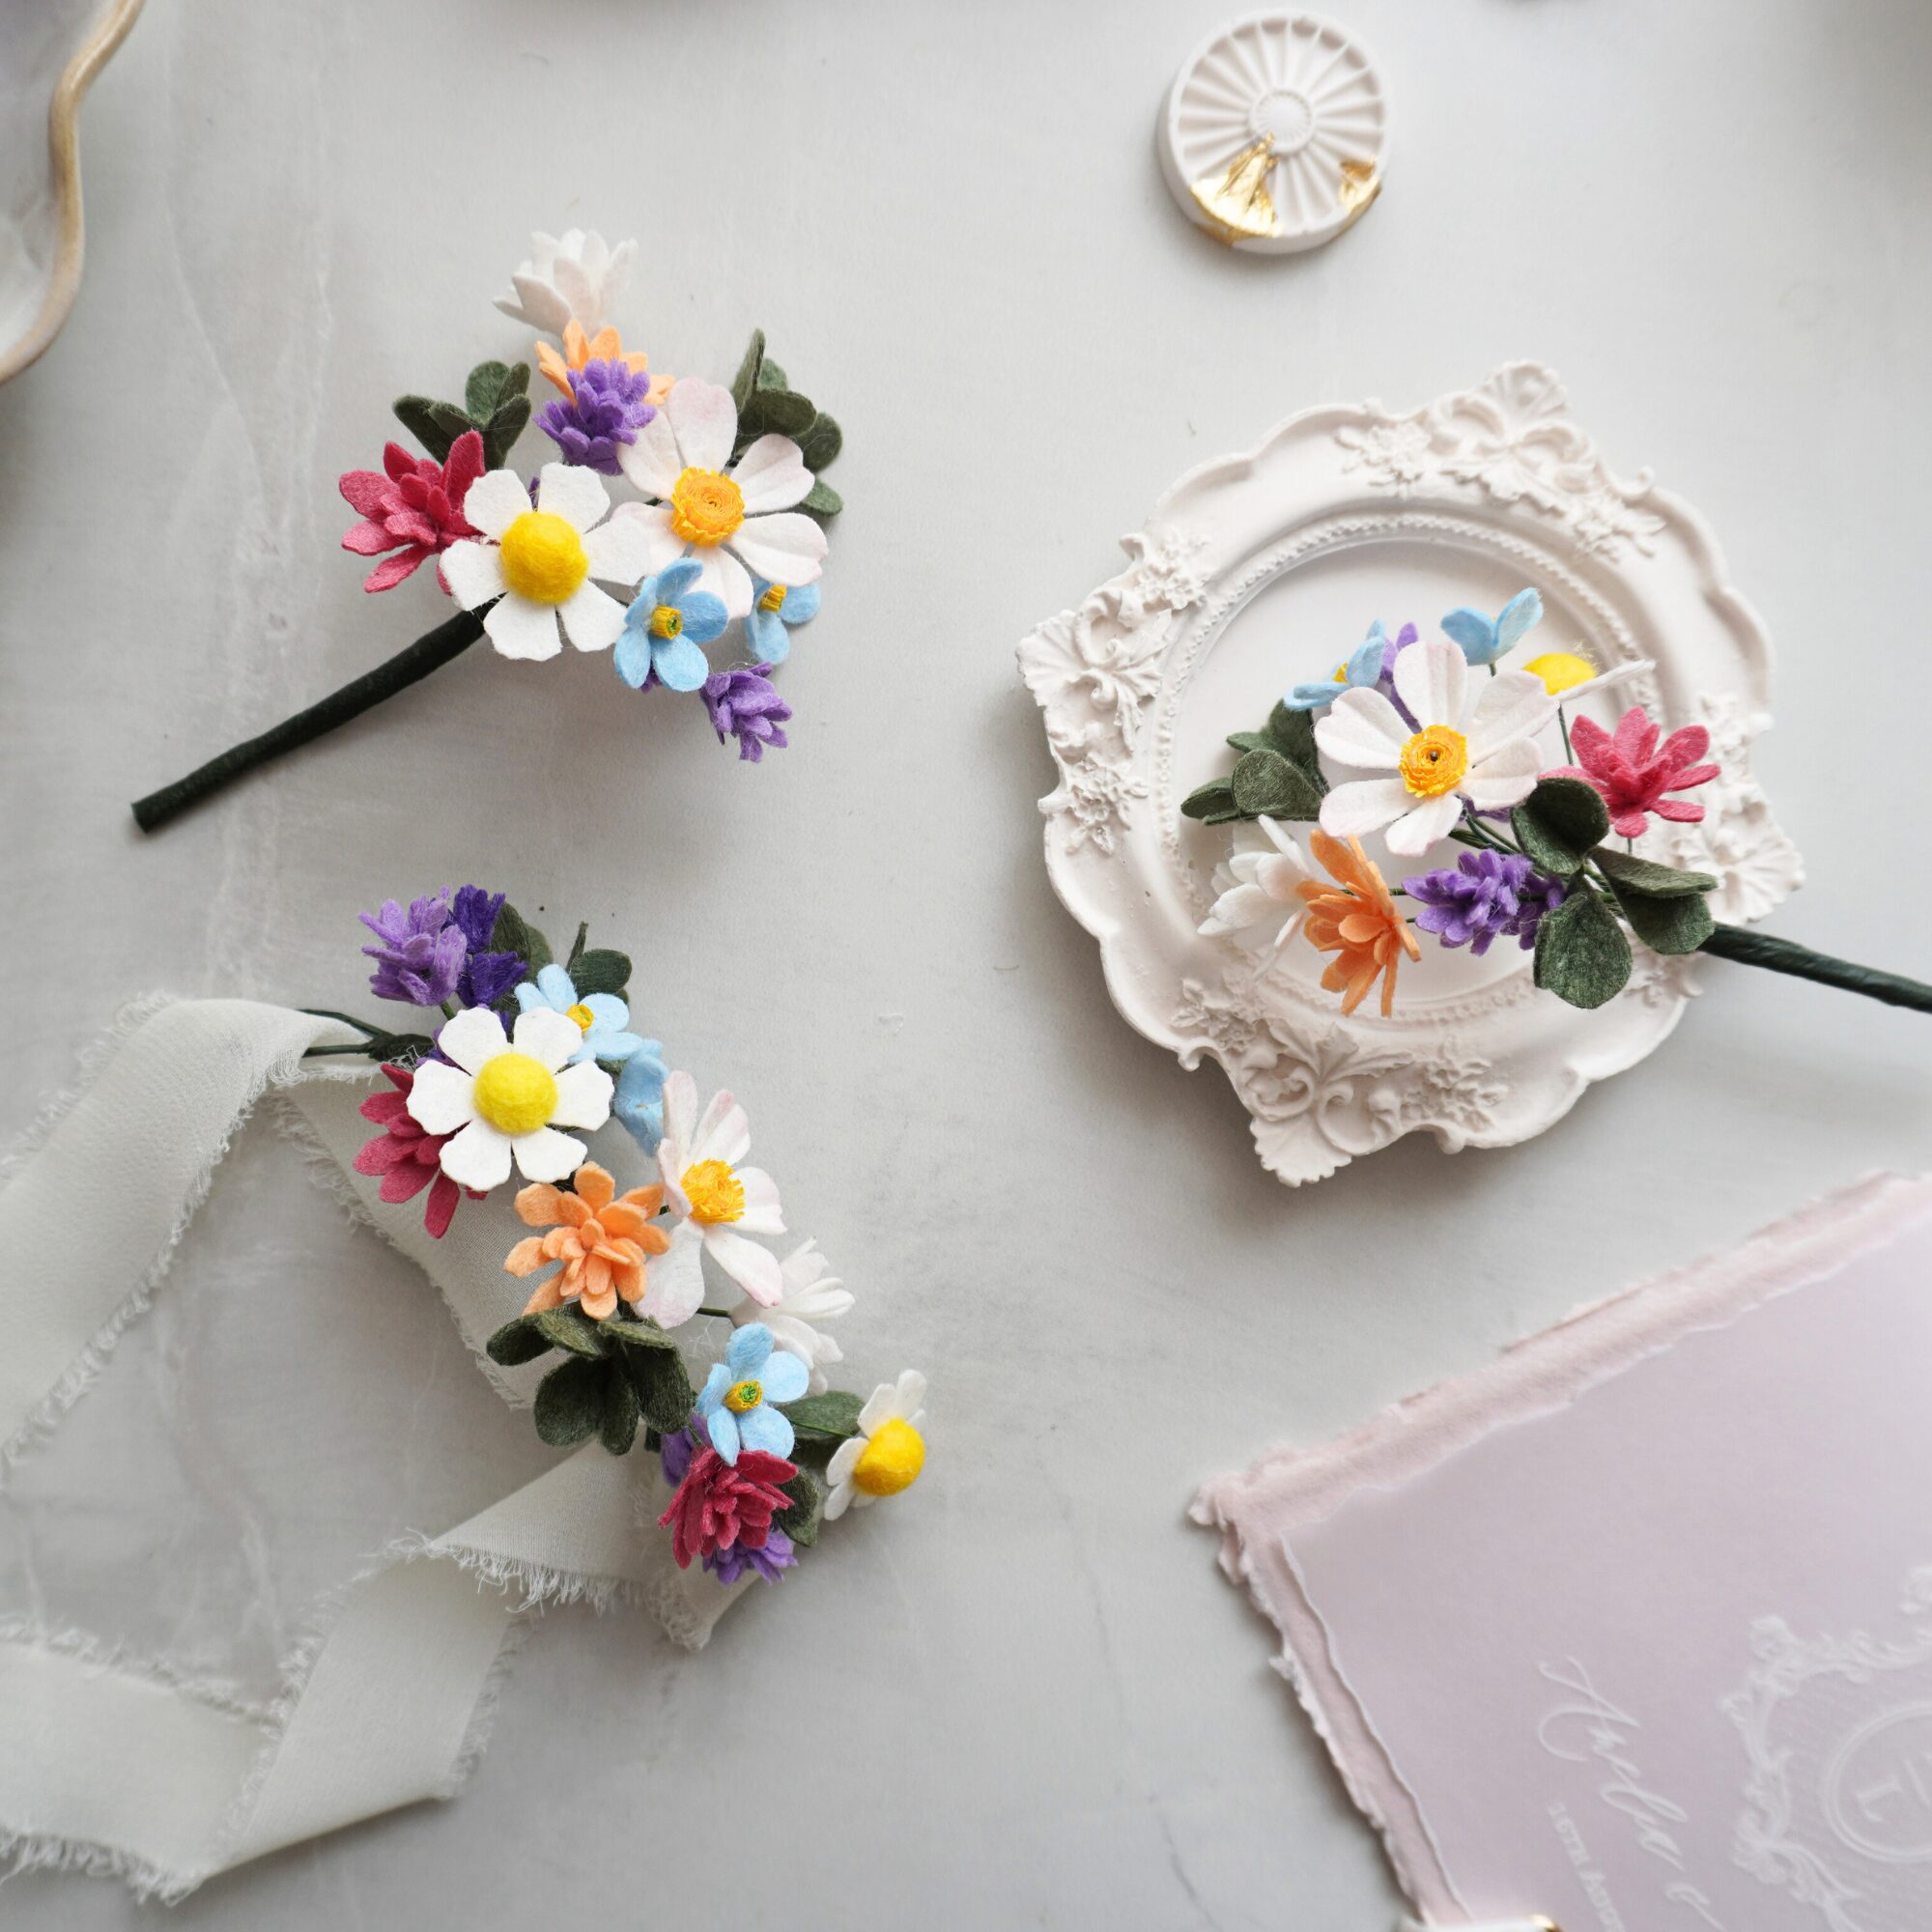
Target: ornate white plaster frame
[{"x": 1360, "y": 508}]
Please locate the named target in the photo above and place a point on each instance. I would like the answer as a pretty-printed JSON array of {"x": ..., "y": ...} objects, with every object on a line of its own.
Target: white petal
[
  {"x": 911, "y": 1397},
  {"x": 705, "y": 419},
  {"x": 772, "y": 475},
  {"x": 1511, "y": 704},
  {"x": 582, "y": 1096},
  {"x": 546, "y": 1154},
  {"x": 839, "y": 1499},
  {"x": 441, "y": 1098},
  {"x": 1289, "y": 928},
  {"x": 1416, "y": 831},
  {"x": 723, "y": 1134},
  {"x": 674, "y": 1282},
  {"x": 1354, "y": 811},
  {"x": 472, "y": 1038},
  {"x": 575, "y": 493},
  {"x": 1236, "y": 910},
  {"x": 725, "y": 576},
  {"x": 546, "y": 1035},
  {"x": 843, "y": 1458},
  {"x": 661, "y": 544},
  {"x": 753, "y": 1268},
  {"x": 496, "y": 501},
  {"x": 1431, "y": 678},
  {"x": 1283, "y": 841},
  {"x": 1278, "y": 873},
  {"x": 593, "y": 620},
  {"x": 473, "y": 572},
  {"x": 652, "y": 463},
  {"x": 787, "y": 548},
  {"x": 680, "y": 1113},
  {"x": 521, "y": 628},
  {"x": 762, "y": 1214},
  {"x": 1363, "y": 729},
  {"x": 881, "y": 1406},
  {"x": 1506, "y": 777},
  {"x": 542, "y": 308},
  {"x": 619, "y": 551},
  {"x": 478, "y": 1157}
]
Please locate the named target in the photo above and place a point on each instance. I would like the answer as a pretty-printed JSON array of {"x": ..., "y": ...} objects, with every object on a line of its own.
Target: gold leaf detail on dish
[{"x": 1237, "y": 200}]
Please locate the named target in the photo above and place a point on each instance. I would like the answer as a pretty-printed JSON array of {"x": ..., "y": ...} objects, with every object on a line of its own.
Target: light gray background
[{"x": 1022, "y": 1696}]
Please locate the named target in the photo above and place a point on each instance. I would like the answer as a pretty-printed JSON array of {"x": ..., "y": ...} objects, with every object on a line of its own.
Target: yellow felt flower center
[
  {"x": 543, "y": 558},
  {"x": 705, "y": 507},
  {"x": 586, "y": 1019},
  {"x": 774, "y": 600},
  {"x": 715, "y": 1193},
  {"x": 890, "y": 1461},
  {"x": 515, "y": 1094},
  {"x": 667, "y": 621},
  {"x": 1435, "y": 760},
  {"x": 743, "y": 1396},
  {"x": 1561, "y": 672}
]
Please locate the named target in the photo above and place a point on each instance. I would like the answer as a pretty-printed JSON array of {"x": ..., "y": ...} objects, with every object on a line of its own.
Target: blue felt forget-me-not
[
  {"x": 639, "y": 1103},
  {"x": 1483, "y": 639},
  {"x": 774, "y": 609},
  {"x": 603, "y": 1018},
  {"x": 738, "y": 1396},
  {"x": 1364, "y": 666},
  {"x": 665, "y": 625}
]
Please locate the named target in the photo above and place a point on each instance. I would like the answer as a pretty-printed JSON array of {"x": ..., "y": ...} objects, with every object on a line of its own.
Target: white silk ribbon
[{"x": 115, "y": 1767}]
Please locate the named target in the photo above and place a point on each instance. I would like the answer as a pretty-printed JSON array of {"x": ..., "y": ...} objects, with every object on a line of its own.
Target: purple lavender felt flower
[
  {"x": 421, "y": 954},
  {"x": 745, "y": 704},
  {"x": 610, "y": 403},
  {"x": 486, "y": 976},
  {"x": 1484, "y": 895},
  {"x": 676, "y": 1450},
  {"x": 766, "y": 1563}
]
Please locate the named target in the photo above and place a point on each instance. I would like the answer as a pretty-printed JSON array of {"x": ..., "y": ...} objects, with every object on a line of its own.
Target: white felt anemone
[
  {"x": 538, "y": 562},
  {"x": 573, "y": 275},
  {"x": 505, "y": 1098},
  {"x": 1261, "y": 888},
  {"x": 887, "y": 1454},
  {"x": 812, "y": 1294},
  {"x": 715, "y": 1203},
  {"x": 734, "y": 520},
  {"x": 1483, "y": 751}
]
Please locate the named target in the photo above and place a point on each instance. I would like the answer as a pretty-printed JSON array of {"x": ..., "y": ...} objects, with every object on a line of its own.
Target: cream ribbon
[{"x": 113, "y": 1768}]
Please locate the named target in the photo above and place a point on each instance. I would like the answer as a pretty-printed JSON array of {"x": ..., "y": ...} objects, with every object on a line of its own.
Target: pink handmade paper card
[{"x": 1634, "y": 1629}]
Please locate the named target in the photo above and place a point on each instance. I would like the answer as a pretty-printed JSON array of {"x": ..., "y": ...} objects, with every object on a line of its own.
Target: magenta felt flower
[
  {"x": 411, "y": 508},
  {"x": 406, "y": 1158},
  {"x": 1634, "y": 773}
]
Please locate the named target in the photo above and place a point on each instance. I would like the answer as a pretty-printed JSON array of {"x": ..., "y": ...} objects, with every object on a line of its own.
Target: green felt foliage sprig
[
  {"x": 495, "y": 404},
  {"x": 768, "y": 405},
  {"x": 1278, "y": 774},
  {"x": 616, "y": 1374}
]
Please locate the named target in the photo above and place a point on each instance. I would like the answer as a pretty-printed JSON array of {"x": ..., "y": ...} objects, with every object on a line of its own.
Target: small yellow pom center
[
  {"x": 705, "y": 507},
  {"x": 515, "y": 1094},
  {"x": 745, "y": 1395},
  {"x": 892, "y": 1460},
  {"x": 666, "y": 622},
  {"x": 586, "y": 1019},
  {"x": 774, "y": 600},
  {"x": 543, "y": 558},
  {"x": 1561, "y": 672},
  {"x": 715, "y": 1193},
  {"x": 1435, "y": 761}
]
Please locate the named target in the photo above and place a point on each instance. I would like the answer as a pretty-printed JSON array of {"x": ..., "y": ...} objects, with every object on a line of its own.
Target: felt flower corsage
[
  {"x": 677, "y": 520},
  {"x": 511, "y": 1060},
  {"x": 1423, "y": 743}
]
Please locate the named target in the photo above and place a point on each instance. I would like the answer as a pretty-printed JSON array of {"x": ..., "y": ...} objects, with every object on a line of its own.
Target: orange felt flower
[
  {"x": 1356, "y": 920},
  {"x": 605, "y": 346},
  {"x": 602, "y": 1242}
]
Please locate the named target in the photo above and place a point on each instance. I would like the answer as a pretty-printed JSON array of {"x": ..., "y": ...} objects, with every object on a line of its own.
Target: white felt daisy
[
  {"x": 538, "y": 563},
  {"x": 733, "y": 519},
  {"x": 1260, "y": 888},
  {"x": 812, "y": 1294},
  {"x": 1484, "y": 752},
  {"x": 715, "y": 1202},
  {"x": 887, "y": 1454},
  {"x": 506, "y": 1099},
  {"x": 572, "y": 277}
]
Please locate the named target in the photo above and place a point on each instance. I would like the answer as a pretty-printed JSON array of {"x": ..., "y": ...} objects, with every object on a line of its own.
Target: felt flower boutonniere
[
  {"x": 512, "y": 1062},
  {"x": 1425, "y": 743},
  {"x": 681, "y": 521}
]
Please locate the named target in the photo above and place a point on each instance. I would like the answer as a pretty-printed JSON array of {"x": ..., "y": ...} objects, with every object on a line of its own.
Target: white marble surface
[{"x": 1024, "y": 1696}]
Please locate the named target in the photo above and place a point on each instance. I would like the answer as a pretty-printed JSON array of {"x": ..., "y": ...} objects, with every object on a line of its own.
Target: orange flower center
[
  {"x": 1435, "y": 761},
  {"x": 705, "y": 507},
  {"x": 744, "y": 1396}
]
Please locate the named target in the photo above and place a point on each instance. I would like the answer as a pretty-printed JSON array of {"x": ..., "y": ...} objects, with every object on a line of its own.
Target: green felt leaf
[
  {"x": 821, "y": 444},
  {"x": 1558, "y": 824},
  {"x": 1253, "y": 741},
  {"x": 622, "y": 1411},
  {"x": 576, "y": 947},
  {"x": 1581, "y": 954},
  {"x": 518, "y": 382},
  {"x": 663, "y": 1387},
  {"x": 1211, "y": 801},
  {"x": 506, "y": 424},
  {"x": 1292, "y": 735},
  {"x": 771, "y": 376},
  {"x": 484, "y": 388},
  {"x": 1265, "y": 784},
  {"x": 747, "y": 377},
  {"x": 570, "y": 1403},
  {"x": 417, "y": 416},
  {"x": 831, "y": 1417},
  {"x": 822, "y": 500},
  {"x": 782, "y": 411},
  {"x": 518, "y": 1341},
  {"x": 452, "y": 420},
  {"x": 1646, "y": 877},
  {"x": 566, "y": 1328},
  {"x": 801, "y": 1520},
  {"x": 1673, "y": 921},
  {"x": 601, "y": 971},
  {"x": 637, "y": 1334},
  {"x": 514, "y": 933}
]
